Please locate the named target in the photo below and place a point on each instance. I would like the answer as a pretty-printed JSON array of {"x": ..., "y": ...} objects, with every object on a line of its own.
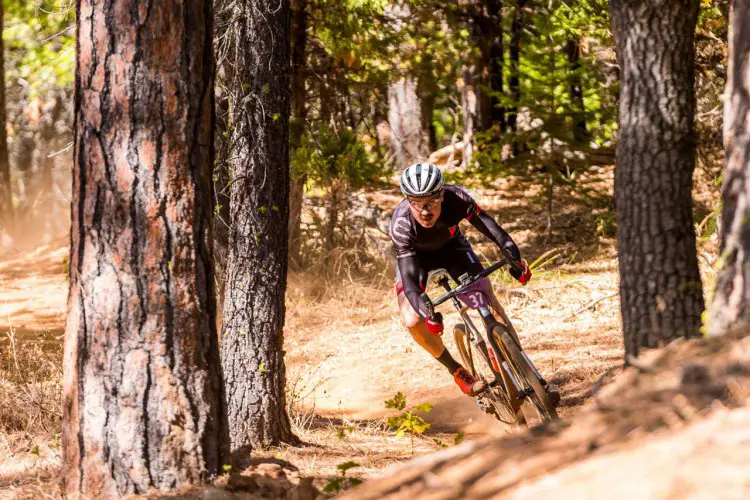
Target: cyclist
[{"x": 425, "y": 234}]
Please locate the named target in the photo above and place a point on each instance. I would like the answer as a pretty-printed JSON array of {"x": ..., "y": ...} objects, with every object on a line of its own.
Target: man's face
[{"x": 426, "y": 210}]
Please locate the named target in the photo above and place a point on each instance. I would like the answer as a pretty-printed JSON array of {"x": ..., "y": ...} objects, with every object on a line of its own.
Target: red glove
[
  {"x": 524, "y": 276},
  {"x": 435, "y": 324}
]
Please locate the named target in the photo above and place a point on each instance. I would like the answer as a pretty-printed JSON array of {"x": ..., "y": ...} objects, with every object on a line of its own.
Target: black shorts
[{"x": 457, "y": 259}]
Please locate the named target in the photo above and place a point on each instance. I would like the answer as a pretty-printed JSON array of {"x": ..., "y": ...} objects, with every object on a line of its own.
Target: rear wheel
[
  {"x": 538, "y": 398},
  {"x": 494, "y": 400}
]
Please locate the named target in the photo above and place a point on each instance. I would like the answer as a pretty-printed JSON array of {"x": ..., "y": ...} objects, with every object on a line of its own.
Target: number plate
[{"x": 475, "y": 296}]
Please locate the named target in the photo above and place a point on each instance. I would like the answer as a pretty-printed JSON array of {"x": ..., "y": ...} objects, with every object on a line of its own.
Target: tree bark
[
  {"x": 409, "y": 128},
  {"x": 483, "y": 78},
  {"x": 6, "y": 193},
  {"x": 660, "y": 286},
  {"x": 252, "y": 357},
  {"x": 730, "y": 307},
  {"x": 470, "y": 109},
  {"x": 580, "y": 131},
  {"x": 409, "y": 136},
  {"x": 297, "y": 129},
  {"x": 142, "y": 389}
]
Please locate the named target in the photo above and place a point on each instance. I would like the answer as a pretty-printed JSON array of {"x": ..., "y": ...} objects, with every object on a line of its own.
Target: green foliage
[
  {"x": 407, "y": 422},
  {"x": 39, "y": 43},
  {"x": 548, "y": 113},
  {"x": 343, "y": 430},
  {"x": 606, "y": 225},
  {"x": 397, "y": 402},
  {"x": 459, "y": 438},
  {"x": 327, "y": 158},
  {"x": 342, "y": 481}
]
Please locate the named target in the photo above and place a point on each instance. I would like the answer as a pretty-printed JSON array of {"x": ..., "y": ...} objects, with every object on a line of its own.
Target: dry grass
[{"x": 30, "y": 385}]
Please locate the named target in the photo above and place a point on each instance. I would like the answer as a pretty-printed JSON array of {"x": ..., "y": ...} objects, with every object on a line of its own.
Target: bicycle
[{"x": 512, "y": 381}]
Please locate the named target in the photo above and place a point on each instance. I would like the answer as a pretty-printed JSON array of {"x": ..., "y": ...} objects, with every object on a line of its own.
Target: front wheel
[
  {"x": 493, "y": 400},
  {"x": 538, "y": 396}
]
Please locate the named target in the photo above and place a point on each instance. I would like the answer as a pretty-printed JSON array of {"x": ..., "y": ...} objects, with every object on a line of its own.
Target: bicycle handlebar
[{"x": 459, "y": 289}]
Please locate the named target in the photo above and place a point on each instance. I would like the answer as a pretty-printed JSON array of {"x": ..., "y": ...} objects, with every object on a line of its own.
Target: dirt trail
[
  {"x": 347, "y": 352},
  {"x": 674, "y": 427}
]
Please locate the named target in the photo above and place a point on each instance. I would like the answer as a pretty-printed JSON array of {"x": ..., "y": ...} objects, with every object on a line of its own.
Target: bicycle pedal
[{"x": 485, "y": 407}]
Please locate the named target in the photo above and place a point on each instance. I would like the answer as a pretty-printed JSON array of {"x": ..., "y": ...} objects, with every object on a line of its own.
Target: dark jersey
[{"x": 415, "y": 243}]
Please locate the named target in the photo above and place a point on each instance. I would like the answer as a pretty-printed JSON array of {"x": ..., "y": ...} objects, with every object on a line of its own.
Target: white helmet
[{"x": 421, "y": 179}]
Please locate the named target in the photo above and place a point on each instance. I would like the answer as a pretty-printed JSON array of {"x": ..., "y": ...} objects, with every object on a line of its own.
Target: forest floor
[{"x": 346, "y": 351}]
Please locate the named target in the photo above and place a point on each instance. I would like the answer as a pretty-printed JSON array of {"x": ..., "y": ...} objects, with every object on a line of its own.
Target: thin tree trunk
[
  {"x": 222, "y": 172},
  {"x": 299, "y": 117},
  {"x": 515, "y": 54},
  {"x": 580, "y": 131},
  {"x": 142, "y": 389},
  {"x": 660, "y": 286},
  {"x": 6, "y": 194},
  {"x": 469, "y": 108},
  {"x": 731, "y": 304},
  {"x": 252, "y": 354},
  {"x": 496, "y": 59}
]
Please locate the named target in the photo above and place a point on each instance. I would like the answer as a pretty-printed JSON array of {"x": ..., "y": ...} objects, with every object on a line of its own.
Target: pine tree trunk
[
  {"x": 297, "y": 129},
  {"x": 252, "y": 357},
  {"x": 660, "y": 287},
  {"x": 409, "y": 128},
  {"x": 470, "y": 111},
  {"x": 580, "y": 131},
  {"x": 496, "y": 58},
  {"x": 730, "y": 306},
  {"x": 409, "y": 136},
  {"x": 515, "y": 54},
  {"x": 6, "y": 193},
  {"x": 221, "y": 174},
  {"x": 142, "y": 390}
]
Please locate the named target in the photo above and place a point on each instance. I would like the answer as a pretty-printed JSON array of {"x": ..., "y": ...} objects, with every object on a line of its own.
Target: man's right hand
[{"x": 435, "y": 324}]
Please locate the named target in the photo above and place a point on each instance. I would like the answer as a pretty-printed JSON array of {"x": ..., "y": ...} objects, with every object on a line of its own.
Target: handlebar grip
[{"x": 428, "y": 304}]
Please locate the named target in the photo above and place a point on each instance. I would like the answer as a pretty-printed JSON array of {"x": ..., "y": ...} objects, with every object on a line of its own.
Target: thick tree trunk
[
  {"x": 253, "y": 317},
  {"x": 731, "y": 303},
  {"x": 6, "y": 196},
  {"x": 409, "y": 128},
  {"x": 580, "y": 131},
  {"x": 515, "y": 54},
  {"x": 409, "y": 135},
  {"x": 142, "y": 392},
  {"x": 297, "y": 129},
  {"x": 660, "y": 287}
]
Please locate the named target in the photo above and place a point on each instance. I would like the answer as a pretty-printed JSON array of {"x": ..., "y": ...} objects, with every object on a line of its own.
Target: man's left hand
[{"x": 523, "y": 275}]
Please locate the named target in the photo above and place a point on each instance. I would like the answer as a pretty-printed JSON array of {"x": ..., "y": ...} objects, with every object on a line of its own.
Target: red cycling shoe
[{"x": 469, "y": 385}]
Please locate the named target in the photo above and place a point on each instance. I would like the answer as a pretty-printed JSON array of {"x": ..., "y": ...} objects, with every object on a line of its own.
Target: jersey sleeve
[
  {"x": 403, "y": 236},
  {"x": 486, "y": 225}
]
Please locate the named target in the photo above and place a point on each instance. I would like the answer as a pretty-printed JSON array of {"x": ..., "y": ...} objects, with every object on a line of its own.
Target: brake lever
[{"x": 428, "y": 303}]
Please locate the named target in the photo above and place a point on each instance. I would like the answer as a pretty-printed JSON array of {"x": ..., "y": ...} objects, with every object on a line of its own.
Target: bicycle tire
[
  {"x": 539, "y": 397},
  {"x": 502, "y": 409}
]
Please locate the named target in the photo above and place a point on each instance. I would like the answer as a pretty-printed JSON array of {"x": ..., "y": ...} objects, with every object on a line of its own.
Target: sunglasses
[{"x": 425, "y": 204}]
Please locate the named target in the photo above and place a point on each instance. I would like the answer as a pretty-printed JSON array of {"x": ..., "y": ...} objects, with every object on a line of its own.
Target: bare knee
[{"x": 409, "y": 317}]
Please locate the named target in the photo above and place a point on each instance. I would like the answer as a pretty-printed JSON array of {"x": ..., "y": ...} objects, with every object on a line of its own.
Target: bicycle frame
[{"x": 490, "y": 349}]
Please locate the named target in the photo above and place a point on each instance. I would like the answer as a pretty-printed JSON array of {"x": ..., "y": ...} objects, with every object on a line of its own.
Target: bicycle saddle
[{"x": 437, "y": 274}]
